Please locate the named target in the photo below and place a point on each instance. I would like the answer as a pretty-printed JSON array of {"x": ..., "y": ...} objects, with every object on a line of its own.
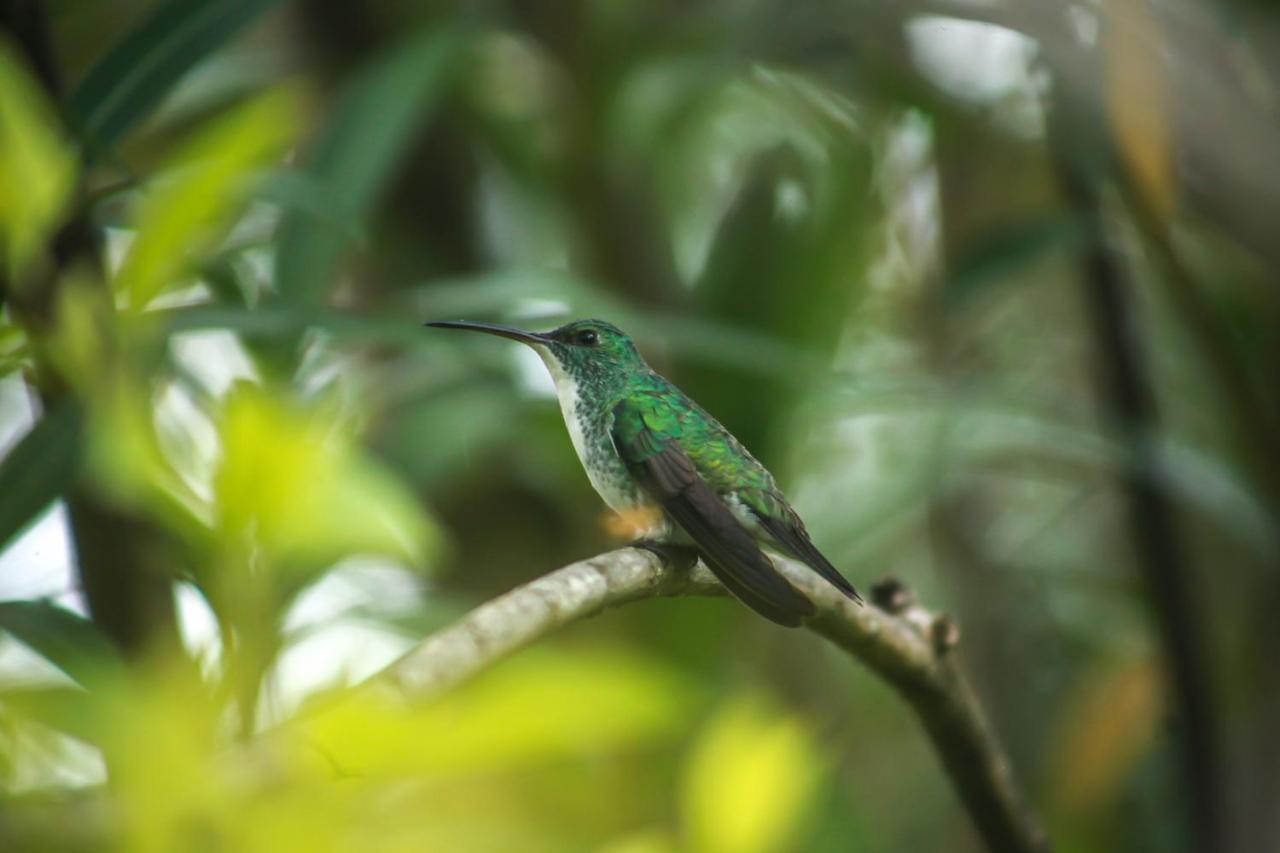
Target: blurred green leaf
[
  {"x": 366, "y": 138},
  {"x": 294, "y": 483},
  {"x": 160, "y": 737},
  {"x": 124, "y": 86},
  {"x": 69, "y": 710},
  {"x": 178, "y": 219},
  {"x": 298, "y": 192},
  {"x": 14, "y": 347},
  {"x": 67, "y": 640},
  {"x": 818, "y": 238},
  {"x": 125, "y": 460},
  {"x": 37, "y": 168},
  {"x": 39, "y": 469},
  {"x": 466, "y": 424},
  {"x": 750, "y": 780}
]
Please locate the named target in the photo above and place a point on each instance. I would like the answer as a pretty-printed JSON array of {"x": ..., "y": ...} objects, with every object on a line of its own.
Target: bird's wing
[
  {"x": 788, "y": 533},
  {"x": 667, "y": 474}
]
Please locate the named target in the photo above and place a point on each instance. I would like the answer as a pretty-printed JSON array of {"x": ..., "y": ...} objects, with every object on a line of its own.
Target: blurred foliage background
[{"x": 992, "y": 287}]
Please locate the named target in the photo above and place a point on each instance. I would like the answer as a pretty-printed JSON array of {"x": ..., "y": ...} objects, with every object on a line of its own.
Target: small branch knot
[
  {"x": 892, "y": 595},
  {"x": 944, "y": 633}
]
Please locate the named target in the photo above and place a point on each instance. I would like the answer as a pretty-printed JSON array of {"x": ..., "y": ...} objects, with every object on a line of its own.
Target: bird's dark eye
[{"x": 586, "y": 338}]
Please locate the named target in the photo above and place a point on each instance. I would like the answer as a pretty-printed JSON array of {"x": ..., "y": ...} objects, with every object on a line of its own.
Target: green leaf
[
  {"x": 366, "y": 138},
  {"x": 69, "y": 710},
  {"x": 37, "y": 168},
  {"x": 70, "y": 642},
  {"x": 14, "y": 347},
  {"x": 123, "y": 87},
  {"x": 38, "y": 470},
  {"x": 297, "y": 192},
  {"x": 211, "y": 174}
]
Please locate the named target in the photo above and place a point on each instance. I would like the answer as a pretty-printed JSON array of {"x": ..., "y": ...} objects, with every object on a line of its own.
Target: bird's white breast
[{"x": 567, "y": 391}]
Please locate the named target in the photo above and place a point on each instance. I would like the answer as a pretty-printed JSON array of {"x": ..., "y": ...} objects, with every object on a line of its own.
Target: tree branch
[{"x": 901, "y": 642}]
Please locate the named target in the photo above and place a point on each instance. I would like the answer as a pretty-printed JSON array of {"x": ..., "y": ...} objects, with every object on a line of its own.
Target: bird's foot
[{"x": 679, "y": 557}]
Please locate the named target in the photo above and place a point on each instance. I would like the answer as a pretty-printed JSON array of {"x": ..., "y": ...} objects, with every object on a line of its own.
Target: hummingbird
[{"x": 650, "y": 451}]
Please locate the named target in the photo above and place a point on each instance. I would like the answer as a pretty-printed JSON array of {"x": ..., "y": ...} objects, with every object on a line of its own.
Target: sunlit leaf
[
  {"x": 293, "y": 482},
  {"x": 366, "y": 139},
  {"x": 208, "y": 181},
  {"x": 123, "y": 451},
  {"x": 750, "y": 780},
  {"x": 538, "y": 707},
  {"x": 131, "y": 80},
  {"x": 37, "y": 168},
  {"x": 38, "y": 469},
  {"x": 161, "y": 740}
]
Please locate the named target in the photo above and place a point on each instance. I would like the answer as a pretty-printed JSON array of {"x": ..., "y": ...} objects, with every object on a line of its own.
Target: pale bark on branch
[{"x": 901, "y": 642}]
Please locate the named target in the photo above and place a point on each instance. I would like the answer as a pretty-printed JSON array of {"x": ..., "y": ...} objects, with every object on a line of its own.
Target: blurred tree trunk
[
  {"x": 123, "y": 563},
  {"x": 1129, "y": 407}
]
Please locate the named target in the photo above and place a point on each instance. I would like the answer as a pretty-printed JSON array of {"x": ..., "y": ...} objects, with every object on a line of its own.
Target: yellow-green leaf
[
  {"x": 649, "y": 841},
  {"x": 539, "y": 707},
  {"x": 750, "y": 780},
  {"x": 37, "y": 168},
  {"x": 293, "y": 483},
  {"x": 207, "y": 184}
]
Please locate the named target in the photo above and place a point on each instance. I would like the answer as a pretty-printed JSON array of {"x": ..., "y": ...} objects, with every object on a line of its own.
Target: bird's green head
[{"x": 587, "y": 351}]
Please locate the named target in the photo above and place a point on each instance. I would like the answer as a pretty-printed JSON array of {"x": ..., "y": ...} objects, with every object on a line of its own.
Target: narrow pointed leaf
[
  {"x": 38, "y": 470},
  {"x": 37, "y": 169},
  {"x": 209, "y": 178},
  {"x": 69, "y": 710},
  {"x": 69, "y": 641},
  {"x": 357, "y": 154},
  {"x": 135, "y": 76}
]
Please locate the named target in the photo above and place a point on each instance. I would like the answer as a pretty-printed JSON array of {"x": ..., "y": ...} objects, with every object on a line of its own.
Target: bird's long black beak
[{"x": 492, "y": 329}]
